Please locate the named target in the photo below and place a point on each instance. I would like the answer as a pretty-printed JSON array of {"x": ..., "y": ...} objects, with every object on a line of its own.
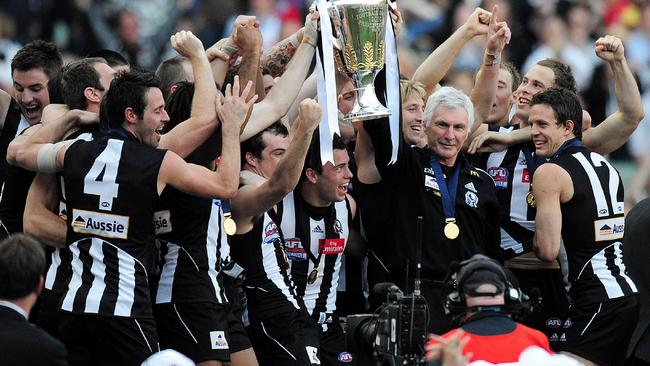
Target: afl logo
[
  {"x": 345, "y": 357},
  {"x": 553, "y": 322}
]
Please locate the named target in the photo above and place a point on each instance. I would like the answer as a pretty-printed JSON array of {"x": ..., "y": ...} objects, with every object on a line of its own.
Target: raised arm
[
  {"x": 185, "y": 137},
  {"x": 485, "y": 88},
  {"x": 248, "y": 39},
  {"x": 612, "y": 133},
  {"x": 198, "y": 180},
  {"x": 284, "y": 92},
  {"x": 39, "y": 219},
  {"x": 551, "y": 186},
  {"x": 434, "y": 68},
  {"x": 253, "y": 200}
]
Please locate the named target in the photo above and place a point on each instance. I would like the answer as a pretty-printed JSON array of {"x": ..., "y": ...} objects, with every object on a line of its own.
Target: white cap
[{"x": 168, "y": 357}]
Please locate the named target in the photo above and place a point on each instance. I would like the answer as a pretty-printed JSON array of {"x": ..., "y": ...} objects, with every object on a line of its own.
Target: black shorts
[
  {"x": 48, "y": 312},
  {"x": 289, "y": 339},
  {"x": 601, "y": 332},
  {"x": 332, "y": 350},
  {"x": 238, "y": 337},
  {"x": 550, "y": 316},
  {"x": 198, "y": 330},
  {"x": 98, "y": 340}
]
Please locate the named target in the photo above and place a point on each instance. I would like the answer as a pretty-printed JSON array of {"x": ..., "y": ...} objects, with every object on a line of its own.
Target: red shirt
[{"x": 498, "y": 346}]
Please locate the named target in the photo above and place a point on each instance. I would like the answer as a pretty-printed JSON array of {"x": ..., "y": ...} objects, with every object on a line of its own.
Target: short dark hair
[
  {"x": 313, "y": 158},
  {"x": 562, "y": 73},
  {"x": 170, "y": 72},
  {"x": 113, "y": 58},
  {"x": 76, "y": 77},
  {"x": 566, "y": 106},
  {"x": 179, "y": 108},
  {"x": 128, "y": 89},
  {"x": 516, "y": 76},
  {"x": 22, "y": 263},
  {"x": 255, "y": 145},
  {"x": 38, "y": 54}
]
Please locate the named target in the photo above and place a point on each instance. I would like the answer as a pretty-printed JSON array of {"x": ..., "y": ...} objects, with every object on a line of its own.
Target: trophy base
[
  {"x": 366, "y": 114},
  {"x": 366, "y": 106}
]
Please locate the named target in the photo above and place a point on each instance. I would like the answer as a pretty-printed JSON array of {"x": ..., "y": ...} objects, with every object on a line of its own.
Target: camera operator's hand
[{"x": 448, "y": 350}]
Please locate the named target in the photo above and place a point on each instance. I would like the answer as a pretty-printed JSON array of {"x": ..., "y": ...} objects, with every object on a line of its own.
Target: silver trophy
[{"x": 359, "y": 27}]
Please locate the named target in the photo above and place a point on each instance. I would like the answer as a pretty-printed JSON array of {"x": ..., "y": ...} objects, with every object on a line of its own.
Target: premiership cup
[{"x": 359, "y": 27}]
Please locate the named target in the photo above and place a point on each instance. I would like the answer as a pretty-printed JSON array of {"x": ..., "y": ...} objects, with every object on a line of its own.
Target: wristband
[{"x": 496, "y": 59}]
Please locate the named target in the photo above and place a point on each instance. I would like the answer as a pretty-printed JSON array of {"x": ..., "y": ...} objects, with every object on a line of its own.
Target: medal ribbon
[
  {"x": 567, "y": 144},
  {"x": 447, "y": 188}
]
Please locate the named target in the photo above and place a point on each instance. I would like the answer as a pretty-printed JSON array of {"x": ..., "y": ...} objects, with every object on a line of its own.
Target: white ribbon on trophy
[{"x": 326, "y": 85}]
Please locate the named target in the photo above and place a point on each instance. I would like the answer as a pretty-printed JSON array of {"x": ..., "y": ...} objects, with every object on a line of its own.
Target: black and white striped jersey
[
  {"x": 269, "y": 288},
  {"x": 111, "y": 191},
  {"x": 13, "y": 125},
  {"x": 59, "y": 270},
  {"x": 191, "y": 234},
  {"x": 14, "y": 181},
  {"x": 593, "y": 226},
  {"x": 309, "y": 231},
  {"x": 512, "y": 179}
]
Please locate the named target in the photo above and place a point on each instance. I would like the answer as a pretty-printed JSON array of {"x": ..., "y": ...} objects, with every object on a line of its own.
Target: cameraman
[{"x": 484, "y": 295}]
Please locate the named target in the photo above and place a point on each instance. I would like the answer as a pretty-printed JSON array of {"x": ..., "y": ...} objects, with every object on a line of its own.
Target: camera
[{"x": 394, "y": 335}]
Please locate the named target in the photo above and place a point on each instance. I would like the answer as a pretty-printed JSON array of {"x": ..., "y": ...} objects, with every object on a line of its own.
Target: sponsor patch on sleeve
[
  {"x": 609, "y": 229},
  {"x": 162, "y": 222},
  {"x": 100, "y": 224}
]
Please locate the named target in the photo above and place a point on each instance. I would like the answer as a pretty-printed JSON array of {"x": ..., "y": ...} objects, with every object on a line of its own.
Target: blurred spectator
[
  {"x": 8, "y": 49},
  {"x": 139, "y": 29}
]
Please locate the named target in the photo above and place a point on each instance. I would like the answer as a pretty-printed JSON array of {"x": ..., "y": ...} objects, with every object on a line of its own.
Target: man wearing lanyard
[
  {"x": 579, "y": 198},
  {"x": 457, "y": 202}
]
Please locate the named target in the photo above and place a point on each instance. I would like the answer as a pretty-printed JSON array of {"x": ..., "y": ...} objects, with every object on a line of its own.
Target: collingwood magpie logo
[{"x": 100, "y": 224}]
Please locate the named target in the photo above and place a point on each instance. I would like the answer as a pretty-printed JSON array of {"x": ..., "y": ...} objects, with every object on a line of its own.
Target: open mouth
[
  {"x": 523, "y": 101},
  {"x": 416, "y": 128},
  {"x": 31, "y": 111},
  {"x": 342, "y": 189}
]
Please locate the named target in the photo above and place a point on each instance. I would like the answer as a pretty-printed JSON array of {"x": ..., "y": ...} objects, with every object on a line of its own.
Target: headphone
[{"x": 515, "y": 299}]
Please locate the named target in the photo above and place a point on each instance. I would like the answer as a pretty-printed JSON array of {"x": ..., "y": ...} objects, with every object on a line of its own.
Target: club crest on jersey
[
  {"x": 162, "y": 222},
  {"x": 295, "y": 251},
  {"x": 338, "y": 227},
  {"x": 471, "y": 199},
  {"x": 270, "y": 232},
  {"x": 100, "y": 224},
  {"x": 500, "y": 177},
  {"x": 609, "y": 229}
]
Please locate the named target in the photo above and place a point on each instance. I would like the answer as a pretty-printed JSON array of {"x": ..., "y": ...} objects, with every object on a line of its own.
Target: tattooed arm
[{"x": 278, "y": 57}]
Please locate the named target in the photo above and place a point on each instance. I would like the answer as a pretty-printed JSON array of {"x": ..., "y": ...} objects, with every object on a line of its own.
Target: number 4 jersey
[
  {"x": 111, "y": 191},
  {"x": 593, "y": 225}
]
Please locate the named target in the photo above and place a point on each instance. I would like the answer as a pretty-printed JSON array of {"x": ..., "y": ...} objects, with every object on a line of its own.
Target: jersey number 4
[{"x": 100, "y": 180}]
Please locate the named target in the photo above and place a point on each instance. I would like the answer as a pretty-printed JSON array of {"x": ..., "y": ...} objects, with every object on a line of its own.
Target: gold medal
[
  {"x": 229, "y": 225},
  {"x": 530, "y": 199},
  {"x": 451, "y": 229},
  {"x": 312, "y": 276}
]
